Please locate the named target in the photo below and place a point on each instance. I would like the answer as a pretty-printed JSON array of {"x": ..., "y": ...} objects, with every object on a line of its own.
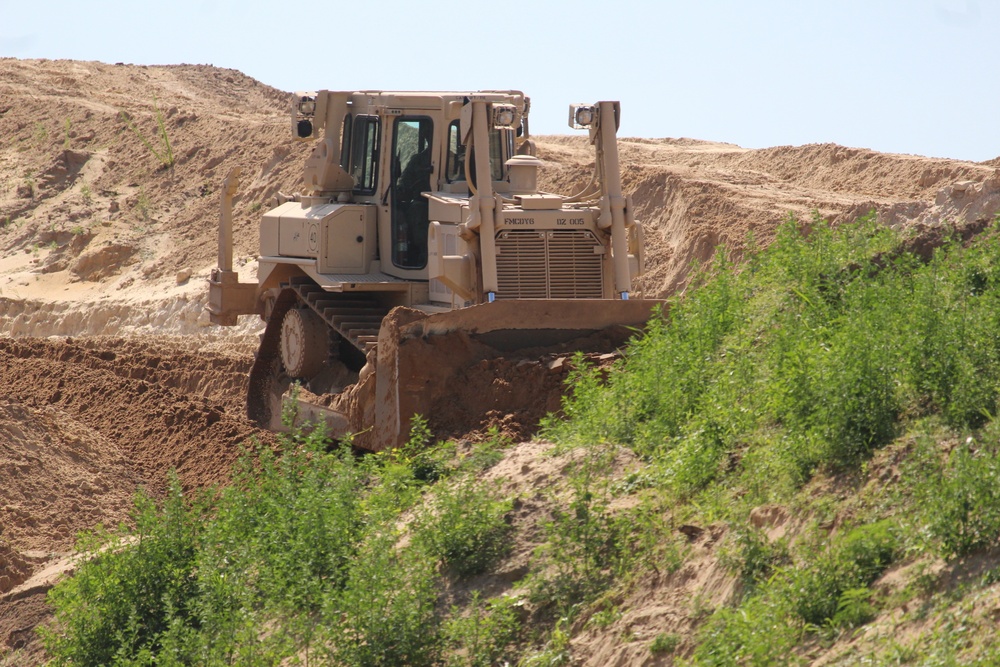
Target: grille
[{"x": 563, "y": 264}]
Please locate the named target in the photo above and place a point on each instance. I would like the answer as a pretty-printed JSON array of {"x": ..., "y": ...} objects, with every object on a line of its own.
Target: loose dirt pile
[{"x": 101, "y": 241}]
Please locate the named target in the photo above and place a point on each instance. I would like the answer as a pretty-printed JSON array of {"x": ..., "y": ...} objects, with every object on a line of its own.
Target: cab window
[
  {"x": 364, "y": 154},
  {"x": 345, "y": 144},
  {"x": 499, "y": 139},
  {"x": 455, "y": 168}
]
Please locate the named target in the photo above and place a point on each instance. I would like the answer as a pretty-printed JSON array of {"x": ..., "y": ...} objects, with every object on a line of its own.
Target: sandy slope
[{"x": 99, "y": 239}]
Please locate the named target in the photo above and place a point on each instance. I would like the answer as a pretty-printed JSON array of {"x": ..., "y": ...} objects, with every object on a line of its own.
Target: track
[{"x": 355, "y": 317}]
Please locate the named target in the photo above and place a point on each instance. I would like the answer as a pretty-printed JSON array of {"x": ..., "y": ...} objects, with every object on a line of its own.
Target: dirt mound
[
  {"x": 14, "y": 567},
  {"x": 512, "y": 394},
  {"x": 162, "y": 428},
  {"x": 80, "y": 181},
  {"x": 59, "y": 477},
  {"x": 83, "y": 424},
  {"x": 19, "y": 616},
  {"x": 693, "y": 196},
  {"x": 82, "y": 157}
]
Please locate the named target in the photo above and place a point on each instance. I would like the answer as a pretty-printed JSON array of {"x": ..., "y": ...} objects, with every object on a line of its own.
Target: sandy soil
[{"x": 105, "y": 251}]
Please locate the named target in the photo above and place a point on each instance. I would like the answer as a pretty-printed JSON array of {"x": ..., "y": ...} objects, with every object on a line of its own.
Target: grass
[
  {"x": 160, "y": 146},
  {"x": 834, "y": 376},
  {"x": 144, "y": 205}
]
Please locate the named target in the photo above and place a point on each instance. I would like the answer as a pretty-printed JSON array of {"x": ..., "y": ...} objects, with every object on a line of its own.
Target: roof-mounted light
[
  {"x": 307, "y": 105},
  {"x": 582, "y": 116},
  {"x": 504, "y": 116}
]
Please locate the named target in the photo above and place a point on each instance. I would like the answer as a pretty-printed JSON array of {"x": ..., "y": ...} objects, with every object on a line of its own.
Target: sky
[{"x": 901, "y": 76}]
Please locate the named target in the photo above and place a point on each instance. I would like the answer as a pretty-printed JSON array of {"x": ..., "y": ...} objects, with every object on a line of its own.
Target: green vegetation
[
  {"x": 463, "y": 525},
  {"x": 299, "y": 559},
  {"x": 30, "y": 183},
  {"x": 800, "y": 365},
  {"x": 298, "y": 543},
  {"x": 143, "y": 205},
  {"x": 836, "y": 378},
  {"x": 40, "y": 136},
  {"x": 485, "y": 634},
  {"x": 161, "y": 149},
  {"x": 664, "y": 643}
]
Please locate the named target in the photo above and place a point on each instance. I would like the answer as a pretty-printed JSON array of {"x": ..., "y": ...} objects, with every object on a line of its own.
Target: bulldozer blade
[{"x": 418, "y": 355}]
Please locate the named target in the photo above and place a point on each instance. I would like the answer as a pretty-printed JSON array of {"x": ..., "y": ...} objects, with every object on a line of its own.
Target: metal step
[
  {"x": 355, "y": 321},
  {"x": 358, "y": 313},
  {"x": 356, "y": 336}
]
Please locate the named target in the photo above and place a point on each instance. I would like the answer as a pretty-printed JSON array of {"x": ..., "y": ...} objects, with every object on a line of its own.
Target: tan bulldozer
[{"x": 420, "y": 220}]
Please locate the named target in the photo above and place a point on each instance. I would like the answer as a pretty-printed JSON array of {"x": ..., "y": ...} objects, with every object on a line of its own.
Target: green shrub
[
  {"x": 802, "y": 344},
  {"x": 753, "y": 556},
  {"x": 830, "y": 588},
  {"x": 961, "y": 500},
  {"x": 854, "y": 608},
  {"x": 464, "y": 524},
  {"x": 385, "y": 614},
  {"x": 757, "y": 634},
  {"x": 162, "y": 151},
  {"x": 287, "y": 526},
  {"x": 664, "y": 643},
  {"x": 243, "y": 580},
  {"x": 585, "y": 542},
  {"x": 129, "y": 589},
  {"x": 556, "y": 652},
  {"x": 485, "y": 634},
  {"x": 853, "y": 562}
]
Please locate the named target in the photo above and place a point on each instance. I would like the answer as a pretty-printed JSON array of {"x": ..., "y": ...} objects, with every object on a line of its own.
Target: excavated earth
[{"x": 110, "y": 374}]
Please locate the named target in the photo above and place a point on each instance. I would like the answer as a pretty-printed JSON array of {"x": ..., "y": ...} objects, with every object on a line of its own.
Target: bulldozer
[{"x": 421, "y": 220}]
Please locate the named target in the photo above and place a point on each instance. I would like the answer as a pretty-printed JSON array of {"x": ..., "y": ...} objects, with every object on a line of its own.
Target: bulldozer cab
[
  {"x": 394, "y": 149},
  {"x": 417, "y": 169}
]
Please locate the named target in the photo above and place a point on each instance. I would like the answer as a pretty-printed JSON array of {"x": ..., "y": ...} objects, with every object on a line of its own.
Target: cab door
[{"x": 411, "y": 174}]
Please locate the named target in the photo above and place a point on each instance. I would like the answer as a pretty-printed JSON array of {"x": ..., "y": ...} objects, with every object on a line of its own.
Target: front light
[
  {"x": 582, "y": 116},
  {"x": 307, "y": 105},
  {"x": 504, "y": 116}
]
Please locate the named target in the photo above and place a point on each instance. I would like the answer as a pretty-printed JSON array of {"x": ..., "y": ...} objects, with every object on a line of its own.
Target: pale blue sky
[{"x": 904, "y": 76}]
